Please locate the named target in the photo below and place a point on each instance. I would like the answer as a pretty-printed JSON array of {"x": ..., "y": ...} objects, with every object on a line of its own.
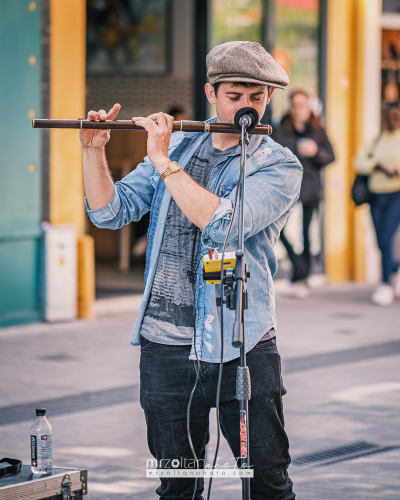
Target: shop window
[
  {"x": 236, "y": 20},
  {"x": 296, "y": 26},
  {"x": 296, "y": 47},
  {"x": 391, "y": 6},
  {"x": 390, "y": 65},
  {"x": 127, "y": 37}
]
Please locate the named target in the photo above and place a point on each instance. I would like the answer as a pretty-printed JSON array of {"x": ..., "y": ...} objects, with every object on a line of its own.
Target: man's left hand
[{"x": 159, "y": 135}]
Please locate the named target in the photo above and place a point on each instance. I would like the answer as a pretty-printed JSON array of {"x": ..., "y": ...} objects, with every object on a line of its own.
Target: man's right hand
[{"x": 98, "y": 138}]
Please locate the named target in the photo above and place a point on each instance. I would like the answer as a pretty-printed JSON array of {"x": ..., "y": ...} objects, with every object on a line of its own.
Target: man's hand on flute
[
  {"x": 97, "y": 139},
  {"x": 97, "y": 180}
]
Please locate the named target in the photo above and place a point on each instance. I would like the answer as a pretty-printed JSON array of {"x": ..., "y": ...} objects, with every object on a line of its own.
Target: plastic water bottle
[{"x": 41, "y": 444}]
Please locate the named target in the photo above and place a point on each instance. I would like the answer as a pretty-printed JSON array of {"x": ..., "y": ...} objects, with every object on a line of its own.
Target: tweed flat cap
[{"x": 244, "y": 62}]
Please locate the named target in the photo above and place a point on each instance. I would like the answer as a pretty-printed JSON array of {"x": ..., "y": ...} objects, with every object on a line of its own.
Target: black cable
[
  {"x": 190, "y": 403},
  {"x": 222, "y": 330}
]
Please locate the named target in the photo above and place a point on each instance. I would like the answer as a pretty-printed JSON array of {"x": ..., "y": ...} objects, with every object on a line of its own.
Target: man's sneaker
[
  {"x": 383, "y": 295},
  {"x": 395, "y": 282},
  {"x": 296, "y": 291}
]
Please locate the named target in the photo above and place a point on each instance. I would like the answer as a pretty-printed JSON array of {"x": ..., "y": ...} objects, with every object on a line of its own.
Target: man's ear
[
  {"x": 210, "y": 93},
  {"x": 270, "y": 92}
]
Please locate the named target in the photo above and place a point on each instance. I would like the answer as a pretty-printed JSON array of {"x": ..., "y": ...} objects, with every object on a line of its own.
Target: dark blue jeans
[
  {"x": 385, "y": 211},
  {"x": 167, "y": 377}
]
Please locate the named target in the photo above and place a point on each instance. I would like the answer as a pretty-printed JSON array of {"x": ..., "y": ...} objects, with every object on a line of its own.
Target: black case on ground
[{"x": 25, "y": 486}]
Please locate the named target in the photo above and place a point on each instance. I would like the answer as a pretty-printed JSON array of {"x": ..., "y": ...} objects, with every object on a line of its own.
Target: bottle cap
[{"x": 40, "y": 412}]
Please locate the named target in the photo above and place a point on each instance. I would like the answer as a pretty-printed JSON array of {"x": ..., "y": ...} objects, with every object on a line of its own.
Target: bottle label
[
  {"x": 42, "y": 450},
  {"x": 33, "y": 451}
]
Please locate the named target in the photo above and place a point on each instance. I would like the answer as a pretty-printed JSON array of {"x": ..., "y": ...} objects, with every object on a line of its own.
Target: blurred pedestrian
[
  {"x": 380, "y": 160},
  {"x": 302, "y": 133}
]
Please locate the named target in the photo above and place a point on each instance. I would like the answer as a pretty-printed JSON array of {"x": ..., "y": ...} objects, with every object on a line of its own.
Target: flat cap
[{"x": 244, "y": 62}]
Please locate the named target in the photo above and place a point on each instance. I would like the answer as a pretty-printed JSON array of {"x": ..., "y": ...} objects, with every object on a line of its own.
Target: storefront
[
  {"x": 149, "y": 56},
  {"x": 172, "y": 75}
]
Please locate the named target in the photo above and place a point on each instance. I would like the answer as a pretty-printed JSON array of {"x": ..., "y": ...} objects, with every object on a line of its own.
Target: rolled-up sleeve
[
  {"x": 132, "y": 198},
  {"x": 103, "y": 216},
  {"x": 133, "y": 195},
  {"x": 210, "y": 237},
  {"x": 271, "y": 192}
]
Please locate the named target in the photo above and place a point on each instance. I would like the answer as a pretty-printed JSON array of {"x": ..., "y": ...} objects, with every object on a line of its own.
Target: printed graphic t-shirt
[{"x": 169, "y": 316}]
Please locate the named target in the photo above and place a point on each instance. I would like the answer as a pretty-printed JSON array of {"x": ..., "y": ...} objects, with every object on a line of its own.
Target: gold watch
[{"x": 172, "y": 167}]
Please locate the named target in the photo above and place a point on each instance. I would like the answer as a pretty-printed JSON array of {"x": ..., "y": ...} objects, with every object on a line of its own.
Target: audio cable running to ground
[{"x": 190, "y": 404}]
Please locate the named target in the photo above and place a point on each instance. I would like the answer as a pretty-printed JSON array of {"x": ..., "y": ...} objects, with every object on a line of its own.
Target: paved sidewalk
[{"x": 340, "y": 366}]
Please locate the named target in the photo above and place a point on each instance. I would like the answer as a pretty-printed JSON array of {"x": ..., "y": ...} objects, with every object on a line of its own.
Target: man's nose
[{"x": 245, "y": 102}]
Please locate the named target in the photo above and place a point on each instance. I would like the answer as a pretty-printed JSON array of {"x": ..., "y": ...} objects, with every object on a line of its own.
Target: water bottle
[{"x": 41, "y": 444}]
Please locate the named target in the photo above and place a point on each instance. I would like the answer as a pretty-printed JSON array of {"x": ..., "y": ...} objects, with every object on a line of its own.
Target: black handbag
[{"x": 360, "y": 192}]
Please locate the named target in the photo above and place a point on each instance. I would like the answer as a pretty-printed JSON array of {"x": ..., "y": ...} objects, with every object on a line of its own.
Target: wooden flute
[{"x": 183, "y": 125}]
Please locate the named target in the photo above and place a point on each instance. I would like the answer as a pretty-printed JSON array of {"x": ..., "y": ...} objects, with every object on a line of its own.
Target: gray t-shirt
[{"x": 169, "y": 316}]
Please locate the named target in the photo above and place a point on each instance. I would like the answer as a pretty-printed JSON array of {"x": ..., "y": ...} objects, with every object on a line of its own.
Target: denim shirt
[{"x": 273, "y": 179}]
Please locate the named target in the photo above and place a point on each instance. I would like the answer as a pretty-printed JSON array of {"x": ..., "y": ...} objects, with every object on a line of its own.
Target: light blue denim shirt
[{"x": 273, "y": 179}]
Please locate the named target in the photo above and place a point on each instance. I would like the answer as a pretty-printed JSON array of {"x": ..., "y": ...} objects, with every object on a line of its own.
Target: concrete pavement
[{"x": 340, "y": 366}]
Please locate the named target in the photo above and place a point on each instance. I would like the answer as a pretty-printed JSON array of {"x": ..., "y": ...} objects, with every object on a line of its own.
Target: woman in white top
[{"x": 381, "y": 161}]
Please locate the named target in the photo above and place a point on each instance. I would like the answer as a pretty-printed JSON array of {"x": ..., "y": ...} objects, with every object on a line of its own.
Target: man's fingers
[
  {"x": 103, "y": 115},
  {"x": 153, "y": 116},
  {"x": 80, "y": 118},
  {"x": 162, "y": 121},
  {"x": 170, "y": 121},
  {"x": 113, "y": 111},
  {"x": 147, "y": 124},
  {"x": 93, "y": 115}
]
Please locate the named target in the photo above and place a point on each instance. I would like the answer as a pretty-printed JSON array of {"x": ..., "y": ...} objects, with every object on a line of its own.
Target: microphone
[{"x": 248, "y": 116}]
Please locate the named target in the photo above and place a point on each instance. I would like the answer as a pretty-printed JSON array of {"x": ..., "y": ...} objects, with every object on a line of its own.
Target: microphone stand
[
  {"x": 234, "y": 296},
  {"x": 243, "y": 386}
]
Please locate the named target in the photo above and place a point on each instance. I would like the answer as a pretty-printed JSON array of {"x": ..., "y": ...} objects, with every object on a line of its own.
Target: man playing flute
[{"x": 188, "y": 183}]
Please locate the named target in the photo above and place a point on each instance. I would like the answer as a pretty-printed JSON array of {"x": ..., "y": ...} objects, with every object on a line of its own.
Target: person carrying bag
[{"x": 379, "y": 161}]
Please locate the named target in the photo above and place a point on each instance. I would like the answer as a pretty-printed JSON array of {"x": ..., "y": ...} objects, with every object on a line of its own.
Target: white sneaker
[
  {"x": 395, "y": 282},
  {"x": 383, "y": 295},
  {"x": 296, "y": 291}
]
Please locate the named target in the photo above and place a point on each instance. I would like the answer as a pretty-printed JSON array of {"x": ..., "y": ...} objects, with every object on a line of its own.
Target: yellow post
[
  {"x": 86, "y": 277},
  {"x": 343, "y": 233},
  {"x": 67, "y": 100},
  {"x": 358, "y": 260}
]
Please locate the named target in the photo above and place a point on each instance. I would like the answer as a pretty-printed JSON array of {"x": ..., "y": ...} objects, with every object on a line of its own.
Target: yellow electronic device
[{"x": 212, "y": 265}]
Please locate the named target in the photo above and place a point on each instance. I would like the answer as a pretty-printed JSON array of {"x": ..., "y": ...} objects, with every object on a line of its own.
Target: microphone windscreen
[{"x": 253, "y": 113}]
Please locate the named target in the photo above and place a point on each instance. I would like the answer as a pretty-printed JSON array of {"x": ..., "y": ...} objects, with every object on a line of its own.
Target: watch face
[{"x": 175, "y": 167}]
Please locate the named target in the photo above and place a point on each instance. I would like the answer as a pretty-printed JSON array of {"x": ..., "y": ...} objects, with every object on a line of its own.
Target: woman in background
[
  {"x": 380, "y": 160},
  {"x": 302, "y": 133}
]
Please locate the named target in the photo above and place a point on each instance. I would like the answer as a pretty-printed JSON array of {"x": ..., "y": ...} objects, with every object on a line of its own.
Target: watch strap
[{"x": 172, "y": 167}]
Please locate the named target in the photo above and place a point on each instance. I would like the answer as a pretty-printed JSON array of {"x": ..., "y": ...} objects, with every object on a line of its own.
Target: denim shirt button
[
  {"x": 201, "y": 286},
  {"x": 155, "y": 208},
  {"x": 199, "y": 317}
]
